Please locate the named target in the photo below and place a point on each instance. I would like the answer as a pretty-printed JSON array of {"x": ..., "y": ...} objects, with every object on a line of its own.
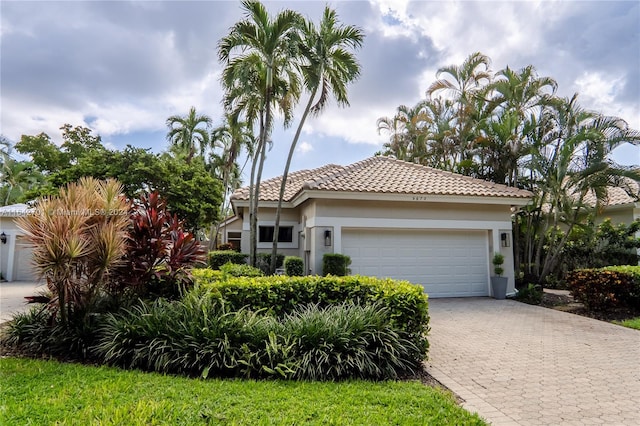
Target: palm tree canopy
[{"x": 190, "y": 133}]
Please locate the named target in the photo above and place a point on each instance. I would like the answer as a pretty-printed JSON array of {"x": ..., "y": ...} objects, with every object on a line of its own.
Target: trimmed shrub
[
  {"x": 263, "y": 262},
  {"x": 336, "y": 264},
  {"x": 217, "y": 258},
  {"x": 406, "y": 302},
  {"x": 606, "y": 288},
  {"x": 294, "y": 266},
  {"x": 197, "y": 336},
  {"x": 234, "y": 270}
]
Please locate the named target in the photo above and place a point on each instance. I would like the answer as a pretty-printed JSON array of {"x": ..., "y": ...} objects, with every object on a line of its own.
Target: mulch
[{"x": 566, "y": 303}]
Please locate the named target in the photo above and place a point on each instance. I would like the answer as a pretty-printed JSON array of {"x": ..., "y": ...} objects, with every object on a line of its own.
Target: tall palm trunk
[
  {"x": 283, "y": 184},
  {"x": 252, "y": 195}
]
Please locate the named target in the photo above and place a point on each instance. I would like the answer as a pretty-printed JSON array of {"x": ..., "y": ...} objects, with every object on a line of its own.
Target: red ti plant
[{"x": 159, "y": 253}]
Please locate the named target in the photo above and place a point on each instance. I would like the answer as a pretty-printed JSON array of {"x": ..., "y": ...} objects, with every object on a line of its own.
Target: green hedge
[
  {"x": 336, "y": 264},
  {"x": 217, "y": 258},
  {"x": 235, "y": 270},
  {"x": 606, "y": 288},
  {"x": 294, "y": 266},
  {"x": 407, "y": 303},
  {"x": 263, "y": 262}
]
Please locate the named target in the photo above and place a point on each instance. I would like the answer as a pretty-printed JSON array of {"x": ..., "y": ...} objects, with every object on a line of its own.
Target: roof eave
[{"x": 375, "y": 196}]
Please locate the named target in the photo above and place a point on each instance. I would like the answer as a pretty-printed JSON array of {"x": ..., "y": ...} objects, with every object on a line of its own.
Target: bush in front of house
[
  {"x": 336, "y": 264},
  {"x": 235, "y": 270},
  {"x": 263, "y": 262},
  {"x": 606, "y": 288},
  {"x": 199, "y": 336},
  {"x": 217, "y": 258},
  {"x": 294, "y": 266},
  {"x": 407, "y": 303}
]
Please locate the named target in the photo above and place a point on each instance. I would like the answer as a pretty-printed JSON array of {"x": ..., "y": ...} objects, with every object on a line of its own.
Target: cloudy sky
[{"x": 123, "y": 67}]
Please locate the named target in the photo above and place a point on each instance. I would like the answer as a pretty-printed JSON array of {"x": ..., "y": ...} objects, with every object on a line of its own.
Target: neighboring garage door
[
  {"x": 446, "y": 263},
  {"x": 24, "y": 270}
]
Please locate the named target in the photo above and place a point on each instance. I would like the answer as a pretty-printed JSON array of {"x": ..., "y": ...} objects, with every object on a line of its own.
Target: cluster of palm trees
[
  {"x": 270, "y": 62},
  {"x": 510, "y": 127}
]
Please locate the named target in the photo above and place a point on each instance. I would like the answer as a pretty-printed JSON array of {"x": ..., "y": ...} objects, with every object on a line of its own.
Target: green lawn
[
  {"x": 35, "y": 392},
  {"x": 631, "y": 323}
]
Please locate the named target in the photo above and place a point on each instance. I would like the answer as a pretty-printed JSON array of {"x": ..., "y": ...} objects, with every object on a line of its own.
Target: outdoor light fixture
[
  {"x": 3, "y": 238},
  {"x": 327, "y": 238},
  {"x": 504, "y": 239}
]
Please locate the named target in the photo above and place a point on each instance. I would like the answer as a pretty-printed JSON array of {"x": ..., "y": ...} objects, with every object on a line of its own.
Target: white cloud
[{"x": 304, "y": 148}]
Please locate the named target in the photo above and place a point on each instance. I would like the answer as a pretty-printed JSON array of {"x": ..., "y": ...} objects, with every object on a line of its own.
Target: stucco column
[{"x": 11, "y": 242}]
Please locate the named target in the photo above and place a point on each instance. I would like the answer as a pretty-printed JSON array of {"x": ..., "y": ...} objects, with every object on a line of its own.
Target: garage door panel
[{"x": 446, "y": 263}]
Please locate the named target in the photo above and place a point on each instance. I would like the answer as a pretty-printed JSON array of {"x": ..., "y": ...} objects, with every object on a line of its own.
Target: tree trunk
[{"x": 283, "y": 184}]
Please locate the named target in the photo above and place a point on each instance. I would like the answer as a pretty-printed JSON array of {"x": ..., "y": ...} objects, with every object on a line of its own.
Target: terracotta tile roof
[
  {"x": 270, "y": 189},
  {"x": 617, "y": 196},
  {"x": 383, "y": 175}
]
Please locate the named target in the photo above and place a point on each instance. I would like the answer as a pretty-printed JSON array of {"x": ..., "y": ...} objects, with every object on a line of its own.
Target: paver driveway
[{"x": 519, "y": 364}]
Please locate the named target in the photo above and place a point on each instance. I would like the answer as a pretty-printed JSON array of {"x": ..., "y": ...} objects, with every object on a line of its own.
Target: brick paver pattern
[{"x": 516, "y": 364}]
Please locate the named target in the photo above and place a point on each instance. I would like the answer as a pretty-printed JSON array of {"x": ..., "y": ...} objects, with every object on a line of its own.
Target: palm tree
[
  {"x": 189, "y": 134},
  {"x": 259, "y": 50},
  {"x": 327, "y": 67},
  {"x": 572, "y": 161},
  {"x": 408, "y": 131},
  {"x": 465, "y": 83},
  {"x": 517, "y": 99},
  {"x": 232, "y": 137}
]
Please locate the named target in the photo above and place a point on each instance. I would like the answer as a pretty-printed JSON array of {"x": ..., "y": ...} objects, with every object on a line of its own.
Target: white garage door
[
  {"x": 446, "y": 263},
  {"x": 24, "y": 270}
]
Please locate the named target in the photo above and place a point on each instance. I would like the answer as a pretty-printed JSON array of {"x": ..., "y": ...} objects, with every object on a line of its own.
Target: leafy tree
[
  {"x": 189, "y": 134},
  {"x": 46, "y": 155},
  {"x": 190, "y": 191},
  {"x": 327, "y": 66},
  {"x": 259, "y": 74}
]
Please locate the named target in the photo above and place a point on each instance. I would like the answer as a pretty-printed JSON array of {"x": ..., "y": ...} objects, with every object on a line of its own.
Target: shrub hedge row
[
  {"x": 217, "y": 258},
  {"x": 606, "y": 288},
  {"x": 406, "y": 302}
]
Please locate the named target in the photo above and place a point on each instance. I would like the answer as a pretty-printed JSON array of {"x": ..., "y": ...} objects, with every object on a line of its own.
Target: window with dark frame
[
  {"x": 234, "y": 238},
  {"x": 285, "y": 234}
]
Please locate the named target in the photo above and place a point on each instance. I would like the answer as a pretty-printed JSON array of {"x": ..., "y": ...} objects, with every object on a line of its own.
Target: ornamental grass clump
[{"x": 199, "y": 336}]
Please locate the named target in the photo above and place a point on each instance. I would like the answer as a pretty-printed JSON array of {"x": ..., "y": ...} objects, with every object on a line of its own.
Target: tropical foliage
[
  {"x": 268, "y": 61},
  {"x": 509, "y": 127},
  {"x": 78, "y": 240}
]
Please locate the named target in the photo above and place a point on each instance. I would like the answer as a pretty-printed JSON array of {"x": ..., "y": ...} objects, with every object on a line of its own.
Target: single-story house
[
  {"x": 15, "y": 255},
  {"x": 621, "y": 206},
  {"x": 393, "y": 218}
]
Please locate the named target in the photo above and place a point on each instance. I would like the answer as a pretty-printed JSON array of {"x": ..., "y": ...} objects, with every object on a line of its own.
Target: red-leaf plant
[{"x": 159, "y": 254}]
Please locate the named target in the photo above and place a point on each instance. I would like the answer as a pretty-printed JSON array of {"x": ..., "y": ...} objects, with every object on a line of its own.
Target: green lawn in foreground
[
  {"x": 48, "y": 392},
  {"x": 631, "y": 323}
]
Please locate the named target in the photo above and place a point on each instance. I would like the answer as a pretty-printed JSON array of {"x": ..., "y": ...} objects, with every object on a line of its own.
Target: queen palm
[
  {"x": 189, "y": 134},
  {"x": 261, "y": 49},
  {"x": 327, "y": 66}
]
